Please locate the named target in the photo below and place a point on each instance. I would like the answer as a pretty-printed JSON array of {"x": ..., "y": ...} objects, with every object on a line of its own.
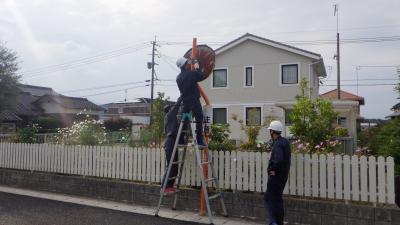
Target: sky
[{"x": 78, "y": 47}]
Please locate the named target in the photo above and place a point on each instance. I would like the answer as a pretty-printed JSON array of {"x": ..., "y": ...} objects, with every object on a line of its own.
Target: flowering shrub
[
  {"x": 322, "y": 147},
  {"x": 363, "y": 151},
  {"x": 86, "y": 132}
]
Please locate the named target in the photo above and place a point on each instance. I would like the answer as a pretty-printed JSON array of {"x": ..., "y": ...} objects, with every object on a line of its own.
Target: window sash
[
  {"x": 287, "y": 117},
  {"x": 249, "y": 76},
  {"x": 219, "y": 116},
  {"x": 290, "y": 74},
  {"x": 253, "y": 116},
  {"x": 220, "y": 77}
]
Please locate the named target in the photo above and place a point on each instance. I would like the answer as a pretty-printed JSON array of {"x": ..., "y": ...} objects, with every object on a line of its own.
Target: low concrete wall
[{"x": 238, "y": 204}]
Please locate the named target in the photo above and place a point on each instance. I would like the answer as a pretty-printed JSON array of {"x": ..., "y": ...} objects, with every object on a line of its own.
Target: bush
[
  {"x": 219, "y": 138},
  {"x": 118, "y": 124},
  {"x": 87, "y": 132},
  {"x": 145, "y": 138},
  {"x": 27, "y": 134},
  {"x": 47, "y": 124},
  {"x": 251, "y": 133},
  {"x": 383, "y": 140},
  {"x": 340, "y": 132},
  {"x": 312, "y": 122}
]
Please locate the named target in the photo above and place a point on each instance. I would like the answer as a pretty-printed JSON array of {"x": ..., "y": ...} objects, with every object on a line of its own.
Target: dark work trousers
[
  {"x": 169, "y": 147},
  {"x": 273, "y": 199},
  {"x": 194, "y": 106}
]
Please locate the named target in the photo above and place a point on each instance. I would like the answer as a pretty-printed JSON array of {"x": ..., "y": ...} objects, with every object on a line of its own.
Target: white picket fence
[{"x": 333, "y": 177}]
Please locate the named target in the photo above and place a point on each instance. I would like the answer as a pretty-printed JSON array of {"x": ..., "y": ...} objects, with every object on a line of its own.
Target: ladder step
[
  {"x": 177, "y": 162},
  {"x": 214, "y": 196},
  {"x": 182, "y": 146},
  {"x": 171, "y": 193},
  {"x": 210, "y": 179},
  {"x": 173, "y": 178},
  {"x": 205, "y": 163},
  {"x": 202, "y": 147}
]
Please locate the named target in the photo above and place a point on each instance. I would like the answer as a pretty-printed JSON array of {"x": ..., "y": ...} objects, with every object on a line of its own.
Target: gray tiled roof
[
  {"x": 7, "y": 116},
  {"x": 72, "y": 102},
  {"x": 37, "y": 90},
  {"x": 25, "y": 106}
]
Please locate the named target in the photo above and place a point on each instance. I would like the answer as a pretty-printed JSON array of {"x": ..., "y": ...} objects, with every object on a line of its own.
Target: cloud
[{"x": 46, "y": 32}]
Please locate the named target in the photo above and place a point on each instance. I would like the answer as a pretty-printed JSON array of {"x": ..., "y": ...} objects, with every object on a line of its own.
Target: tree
[
  {"x": 383, "y": 139},
  {"x": 118, "y": 124},
  {"x": 251, "y": 131},
  {"x": 397, "y": 88},
  {"x": 219, "y": 138},
  {"x": 8, "y": 78},
  {"x": 157, "y": 126},
  {"x": 313, "y": 122}
]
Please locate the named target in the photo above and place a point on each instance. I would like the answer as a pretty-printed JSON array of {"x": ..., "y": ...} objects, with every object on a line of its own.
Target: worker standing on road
[
  {"x": 278, "y": 171},
  {"x": 190, "y": 94}
]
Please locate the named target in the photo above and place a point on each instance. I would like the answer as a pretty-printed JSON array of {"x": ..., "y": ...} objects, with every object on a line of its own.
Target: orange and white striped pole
[{"x": 205, "y": 151}]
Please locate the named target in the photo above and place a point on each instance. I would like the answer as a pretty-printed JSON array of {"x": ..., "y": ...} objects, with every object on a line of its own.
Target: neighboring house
[
  {"x": 257, "y": 79},
  {"x": 8, "y": 122},
  {"x": 67, "y": 109},
  {"x": 396, "y": 111},
  {"x": 138, "y": 112},
  {"x": 35, "y": 101},
  {"x": 347, "y": 115}
]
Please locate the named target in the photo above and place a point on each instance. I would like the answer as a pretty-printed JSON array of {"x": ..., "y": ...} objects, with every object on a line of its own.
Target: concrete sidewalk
[{"x": 139, "y": 209}]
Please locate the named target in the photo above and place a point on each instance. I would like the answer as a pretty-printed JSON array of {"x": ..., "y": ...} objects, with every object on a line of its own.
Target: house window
[
  {"x": 253, "y": 116},
  {"x": 219, "y": 115},
  {"x": 342, "y": 121},
  {"x": 220, "y": 78},
  {"x": 112, "y": 110},
  {"x": 288, "y": 121},
  {"x": 249, "y": 76},
  {"x": 290, "y": 74}
]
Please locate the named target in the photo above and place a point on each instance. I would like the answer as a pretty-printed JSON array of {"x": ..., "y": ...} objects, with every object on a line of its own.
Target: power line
[
  {"x": 78, "y": 63},
  {"x": 354, "y": 85},
  {"x": 310, "y": 42},
  {"x": 102, "y": 87},
  {"x": 367, "y": 79},
  {"x": 115, "y": 91}
]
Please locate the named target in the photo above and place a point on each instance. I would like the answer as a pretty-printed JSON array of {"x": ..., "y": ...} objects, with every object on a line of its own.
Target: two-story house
[{"x": 257, "y": 78}]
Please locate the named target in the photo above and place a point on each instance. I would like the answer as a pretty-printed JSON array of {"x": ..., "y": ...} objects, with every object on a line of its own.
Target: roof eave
[{"x": 267, "y": 42}]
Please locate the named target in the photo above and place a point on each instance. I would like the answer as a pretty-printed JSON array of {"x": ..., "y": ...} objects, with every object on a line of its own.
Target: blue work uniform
[
  {"x": 171, "y": 126},
  {"x": 190, "y": 94},
  {"x": 279, "y": 163}
]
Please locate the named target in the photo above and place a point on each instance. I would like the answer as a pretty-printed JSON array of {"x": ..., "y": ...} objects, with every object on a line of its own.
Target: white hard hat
[
  {"x": 276, "y": 126},
  {"x": 181, "y": 62}
]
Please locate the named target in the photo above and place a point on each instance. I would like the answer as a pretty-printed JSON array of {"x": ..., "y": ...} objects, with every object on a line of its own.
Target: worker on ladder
[
  {"x": 190, "y": 94},
  {"x": 171, "y": 125}
]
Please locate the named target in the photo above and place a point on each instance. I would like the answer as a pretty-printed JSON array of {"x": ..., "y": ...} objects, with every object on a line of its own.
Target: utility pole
[
  {"x": 336, "y": 13},
  {"x": 152, "y": 78}
]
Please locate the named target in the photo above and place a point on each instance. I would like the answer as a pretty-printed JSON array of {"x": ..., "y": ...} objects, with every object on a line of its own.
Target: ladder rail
[
  {"x": 200, "y": 163},
  {"x": 164, "y": 185},
  {"x": 180, "y": 172}
]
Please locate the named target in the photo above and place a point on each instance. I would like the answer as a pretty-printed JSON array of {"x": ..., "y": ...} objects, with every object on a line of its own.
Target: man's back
[{"x": 187, "y": 84}]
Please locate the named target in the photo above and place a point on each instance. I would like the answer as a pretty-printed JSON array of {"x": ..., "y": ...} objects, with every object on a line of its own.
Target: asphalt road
[{"x": 24, "y": 210}]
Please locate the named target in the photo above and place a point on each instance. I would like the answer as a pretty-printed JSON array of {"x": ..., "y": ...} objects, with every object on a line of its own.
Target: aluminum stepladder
[{"x": 187, "y": 118}]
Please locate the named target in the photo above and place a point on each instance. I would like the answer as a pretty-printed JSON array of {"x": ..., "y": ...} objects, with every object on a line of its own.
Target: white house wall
[{"x": 266, "y": 62}]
